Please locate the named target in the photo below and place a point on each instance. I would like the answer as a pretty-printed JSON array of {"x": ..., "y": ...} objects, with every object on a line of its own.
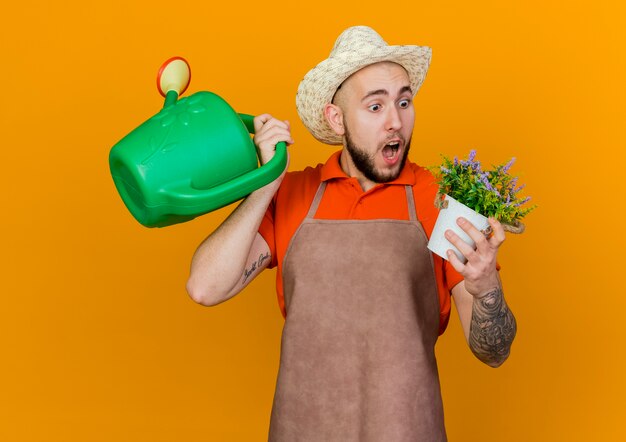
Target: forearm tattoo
[{"x": 492, "y": 329}]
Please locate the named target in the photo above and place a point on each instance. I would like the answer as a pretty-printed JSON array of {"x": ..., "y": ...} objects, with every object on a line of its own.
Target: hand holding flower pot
[
  {"x": 469, "y": 192},
  {"x": 478, "y": 265}
]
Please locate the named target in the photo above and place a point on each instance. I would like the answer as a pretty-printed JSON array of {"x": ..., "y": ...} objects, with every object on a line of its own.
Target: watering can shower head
[{"x": 173, "y": 79}]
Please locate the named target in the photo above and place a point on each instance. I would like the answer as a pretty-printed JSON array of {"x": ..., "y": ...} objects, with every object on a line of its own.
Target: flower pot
[{"x": 450, "y": 210}]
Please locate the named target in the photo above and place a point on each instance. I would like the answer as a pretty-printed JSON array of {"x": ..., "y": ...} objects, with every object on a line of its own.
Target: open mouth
[{"x": 390, "y": 151}]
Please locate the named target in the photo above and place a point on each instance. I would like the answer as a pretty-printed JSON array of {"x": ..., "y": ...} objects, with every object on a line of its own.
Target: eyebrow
[{"x": 385, "y": 92}]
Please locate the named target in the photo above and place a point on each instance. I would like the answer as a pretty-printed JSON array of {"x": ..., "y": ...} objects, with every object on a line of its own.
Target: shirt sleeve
[
  {"x": 266, "y": 230},
  {"x": 452, "y": 276}
]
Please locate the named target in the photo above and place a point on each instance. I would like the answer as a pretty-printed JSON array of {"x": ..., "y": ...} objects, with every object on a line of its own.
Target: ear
[{"x": 334, "y": 116}]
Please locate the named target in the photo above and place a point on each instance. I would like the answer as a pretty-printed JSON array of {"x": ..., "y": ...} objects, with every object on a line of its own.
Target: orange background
[{"x": 99, "y": 340}]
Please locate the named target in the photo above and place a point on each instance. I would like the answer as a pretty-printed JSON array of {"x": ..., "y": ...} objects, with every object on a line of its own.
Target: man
[{"x": 364, "y": 299}]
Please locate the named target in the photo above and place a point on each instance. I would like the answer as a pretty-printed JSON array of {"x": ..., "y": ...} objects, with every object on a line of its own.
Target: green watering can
[{"x": 194, "y": 156}]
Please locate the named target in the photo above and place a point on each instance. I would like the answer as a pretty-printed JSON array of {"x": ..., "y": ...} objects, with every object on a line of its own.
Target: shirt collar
[{"x": 332, "y": 169}]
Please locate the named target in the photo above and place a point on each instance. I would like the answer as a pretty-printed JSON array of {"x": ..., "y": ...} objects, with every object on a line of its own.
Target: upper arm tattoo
[{"x": 257, "y": 264}]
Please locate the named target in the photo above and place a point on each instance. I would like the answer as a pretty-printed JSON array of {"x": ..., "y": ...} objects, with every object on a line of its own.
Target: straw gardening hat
[{"x": 356, "y": 47}]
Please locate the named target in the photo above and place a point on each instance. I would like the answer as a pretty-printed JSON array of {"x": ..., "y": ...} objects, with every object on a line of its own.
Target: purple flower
[
  {"x": 456, "y": 161},
  {"x": 485, "y": 181},
  {"x": 506, "y": 168},
  {"x": 522, "y": 201},
  {"x": 445, "y": 170},
  {"x": 474, "y": 165}
]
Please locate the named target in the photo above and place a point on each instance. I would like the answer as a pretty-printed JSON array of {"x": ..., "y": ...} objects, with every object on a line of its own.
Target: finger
[
  {"x": 271, "y": 133},
  {"x": 460, "y": 244},
  {"x": 455, "y": 261},
  {"x": 272, "y": 140},
  {"x": 261, "y": 139},
  {"x": 498, "y": 232},
  {"x": 271, "y": 124},
  {"x": 260, "y": 120},
  {"x": 477, "y": 236},
  {"x": 284, "y": 137}
]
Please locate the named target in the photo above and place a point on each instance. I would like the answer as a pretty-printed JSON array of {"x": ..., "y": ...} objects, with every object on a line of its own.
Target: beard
[{"x": 365, "y": 163}]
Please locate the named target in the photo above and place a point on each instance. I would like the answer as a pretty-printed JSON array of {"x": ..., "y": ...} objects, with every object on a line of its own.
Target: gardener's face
[{"x": 377, "y": 116}]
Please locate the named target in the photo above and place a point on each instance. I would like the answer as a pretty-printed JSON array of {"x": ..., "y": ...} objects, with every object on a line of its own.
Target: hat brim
[{"x": 320, "y": 84}]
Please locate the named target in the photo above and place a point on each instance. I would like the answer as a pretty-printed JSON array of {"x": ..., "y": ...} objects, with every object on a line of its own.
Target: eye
[
  {"x": 374, "y": 107},
  {"x": 404, "y": 103}
]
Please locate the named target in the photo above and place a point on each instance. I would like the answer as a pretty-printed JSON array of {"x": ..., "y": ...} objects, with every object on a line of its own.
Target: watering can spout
[{"x": 170, "y": 98}]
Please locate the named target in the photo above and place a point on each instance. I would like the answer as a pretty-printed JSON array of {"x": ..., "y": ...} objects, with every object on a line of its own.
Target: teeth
[{"x": 391, "y": 149}]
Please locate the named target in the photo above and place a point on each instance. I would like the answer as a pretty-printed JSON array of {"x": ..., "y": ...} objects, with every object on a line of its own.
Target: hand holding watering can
[{"x": 191, "y": 158}]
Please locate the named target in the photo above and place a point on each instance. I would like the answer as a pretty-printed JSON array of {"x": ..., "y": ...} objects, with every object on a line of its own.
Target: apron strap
[
  {"x": 411, "y": 203},
  {"x": 320, "y": 192},
  {"x": 316, "y": 201}
]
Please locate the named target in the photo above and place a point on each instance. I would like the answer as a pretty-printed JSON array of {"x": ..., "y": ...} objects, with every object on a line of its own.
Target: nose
[{"x": 393, "y": 122}]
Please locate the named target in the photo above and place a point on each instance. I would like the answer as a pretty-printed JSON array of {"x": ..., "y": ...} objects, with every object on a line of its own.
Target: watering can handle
[
  {"x": 248, "y": 120},
  {"x": 200, "y": 201}
]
